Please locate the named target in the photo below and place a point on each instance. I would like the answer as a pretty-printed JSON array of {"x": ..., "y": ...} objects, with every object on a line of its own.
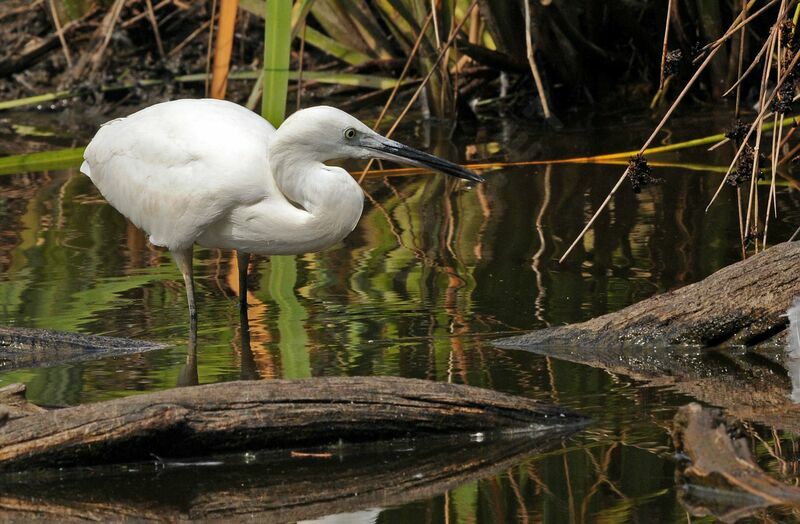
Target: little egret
[{"x": 214, "y": 173}]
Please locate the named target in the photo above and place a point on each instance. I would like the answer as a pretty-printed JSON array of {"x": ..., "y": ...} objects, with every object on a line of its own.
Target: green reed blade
[
  {"x": 277, "y": 48},
  {"x": 47, "y": 160}
]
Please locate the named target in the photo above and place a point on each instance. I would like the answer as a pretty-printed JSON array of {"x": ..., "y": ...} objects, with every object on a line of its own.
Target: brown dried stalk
[
  {"x": 664, "y": 47},
  {"x": 537, "y": 78},
  {"x": 395, "y": 89},
  {"x": 425, "y": 80},
  {"x": 713, "y": 50},
  {"x": 151, "y": 14}
]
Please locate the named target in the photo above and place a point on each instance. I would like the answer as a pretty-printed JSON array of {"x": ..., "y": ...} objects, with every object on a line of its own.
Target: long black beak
[{"x": 391, "y": 150}]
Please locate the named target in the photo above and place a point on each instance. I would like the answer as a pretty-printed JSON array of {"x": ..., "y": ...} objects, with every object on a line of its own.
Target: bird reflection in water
[{"x": 188, "y": 375}]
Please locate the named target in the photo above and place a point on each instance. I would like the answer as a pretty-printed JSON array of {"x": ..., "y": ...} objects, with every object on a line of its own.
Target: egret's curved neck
[{"x": 329, "y": 194}]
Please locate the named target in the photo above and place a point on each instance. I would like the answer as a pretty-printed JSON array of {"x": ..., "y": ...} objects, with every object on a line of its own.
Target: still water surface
[{"x": 433, "y": 273}]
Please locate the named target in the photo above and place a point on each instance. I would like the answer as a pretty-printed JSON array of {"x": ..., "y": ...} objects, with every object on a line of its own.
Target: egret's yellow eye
[{"x": 349, "y": 133}]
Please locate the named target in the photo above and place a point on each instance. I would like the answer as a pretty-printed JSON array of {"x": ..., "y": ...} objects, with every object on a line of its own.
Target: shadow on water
[{"x": 433, "y": 272}]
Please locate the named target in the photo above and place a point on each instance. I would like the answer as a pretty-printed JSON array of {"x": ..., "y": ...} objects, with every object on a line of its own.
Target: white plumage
[
  {"x": 793, "y": 348},
  {"x": 214, "y": 173}
]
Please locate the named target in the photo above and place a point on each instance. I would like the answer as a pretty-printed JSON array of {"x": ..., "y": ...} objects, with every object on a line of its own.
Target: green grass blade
[
  {"x": 277, "y": 47},
  {"x": 32, "y": 162},
  {"x": 323, "y": 77},
  {"x": 334, "y": 48},
  {"x": 38, "y": 99}
]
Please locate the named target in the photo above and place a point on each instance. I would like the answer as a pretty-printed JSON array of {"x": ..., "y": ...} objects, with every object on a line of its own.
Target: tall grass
[{"x": 277, "y": 52}]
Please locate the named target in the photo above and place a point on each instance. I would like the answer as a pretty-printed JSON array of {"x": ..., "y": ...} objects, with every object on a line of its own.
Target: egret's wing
[{"x": 174, "y": 168}]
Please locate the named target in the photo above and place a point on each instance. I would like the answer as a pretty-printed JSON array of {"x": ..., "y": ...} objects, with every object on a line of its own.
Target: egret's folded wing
[{"x": 175, "y": 168}]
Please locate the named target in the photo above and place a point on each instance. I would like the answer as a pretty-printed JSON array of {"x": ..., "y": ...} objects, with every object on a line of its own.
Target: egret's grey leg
[
  {"x": 184, "y": 260},
  {"x": 243, "y": 261}
]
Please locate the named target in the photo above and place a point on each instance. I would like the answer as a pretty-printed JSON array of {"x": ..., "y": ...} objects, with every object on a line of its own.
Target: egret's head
[{"x": 327, "y": 133}]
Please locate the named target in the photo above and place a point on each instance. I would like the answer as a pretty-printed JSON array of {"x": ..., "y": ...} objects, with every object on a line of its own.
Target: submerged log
[
  {"x": 239, "y": 416},
  {"x": 717, "y": 473},
  {"x": 742, "y": 304},
  {"x": 25, "y": 347}
]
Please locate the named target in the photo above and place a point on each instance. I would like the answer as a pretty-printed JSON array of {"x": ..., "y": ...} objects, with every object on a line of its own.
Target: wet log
[
  {"x": 664, "y": 340},
  {"x": 269, "y": 486},
  {"x": 24, "y": 347},
  {"x": 717, "y": 473},
  {"x": 742, "y": 304},
  {"x": 248, "y": 415}
]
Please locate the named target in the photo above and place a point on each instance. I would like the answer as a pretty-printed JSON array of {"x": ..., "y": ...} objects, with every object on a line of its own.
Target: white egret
[{"x": 214, "y": 173}]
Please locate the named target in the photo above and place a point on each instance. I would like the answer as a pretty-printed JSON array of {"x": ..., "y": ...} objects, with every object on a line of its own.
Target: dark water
[{"x": 433, "y": 273}]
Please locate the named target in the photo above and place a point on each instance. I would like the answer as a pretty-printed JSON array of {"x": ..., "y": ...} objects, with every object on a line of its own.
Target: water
[{"x": 433, "y": 273}]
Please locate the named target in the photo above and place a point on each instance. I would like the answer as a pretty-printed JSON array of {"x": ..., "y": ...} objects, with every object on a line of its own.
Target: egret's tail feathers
[{"x": 85, "y": 169}]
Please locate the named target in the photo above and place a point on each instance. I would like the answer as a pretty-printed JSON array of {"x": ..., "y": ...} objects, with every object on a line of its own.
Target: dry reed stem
[
  {"x": 434, "y": 8},
  {"x": 22, "y": 9},
  {"x": 752, "y": 201},
  {"x": 537, "y": 78},
  {"x": 714, "y": 48},
  {"x": 132, "y": 20},
  {"x": 425, "y": 80},
  {"x": 741, "y": 221},
  {"x": 791, "y": 153},
  {"x": 655, "y": 132},
  {"x": 151, "y": 14},
  {"x": 300, "y": 66},
  {"x": 776, "y": 144},
  {"x": 210, "y": 44},
  {"x": 763, "y": 113},
  {"x": 433, "y": 68},
  {"x": 664, "y": 47},
  {"x": 774, "y": 51},
  {"x": 749, "y": 69},
  {"x": 396, "y": 88},
  {"x": 738, "y": 25},
  {"x": 740, "y": 63},
  {"x": 186, "y": 41},
  {"x": 106, "y": 29},
  {"x": 60, "y": 33},
  {"x": 223, "y": 47}
]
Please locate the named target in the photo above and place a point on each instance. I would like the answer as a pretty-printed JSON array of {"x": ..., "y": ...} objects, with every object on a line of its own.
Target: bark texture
[
  {"x": 665, "y": 340},
  {"x": 239, "y": 416},
  {"x": 718, "y": 473},
  {"x": 24, "y": 347},
  {"x": 741, "y": 304}
]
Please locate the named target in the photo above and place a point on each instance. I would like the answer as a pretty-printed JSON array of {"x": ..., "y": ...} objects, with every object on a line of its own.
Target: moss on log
[{"x": 238, "y": 416}]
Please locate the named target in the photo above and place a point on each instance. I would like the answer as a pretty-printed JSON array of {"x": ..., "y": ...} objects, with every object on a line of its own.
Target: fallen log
[
  {"x": 742, "y": 304},
  {"x": 240, "y": 416},
  {"x": 268, "y": 486},
  {"x": 664, "y": 340},
  {"x": 717, "y": 474},
  {"x": 24, "y": 347}
]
